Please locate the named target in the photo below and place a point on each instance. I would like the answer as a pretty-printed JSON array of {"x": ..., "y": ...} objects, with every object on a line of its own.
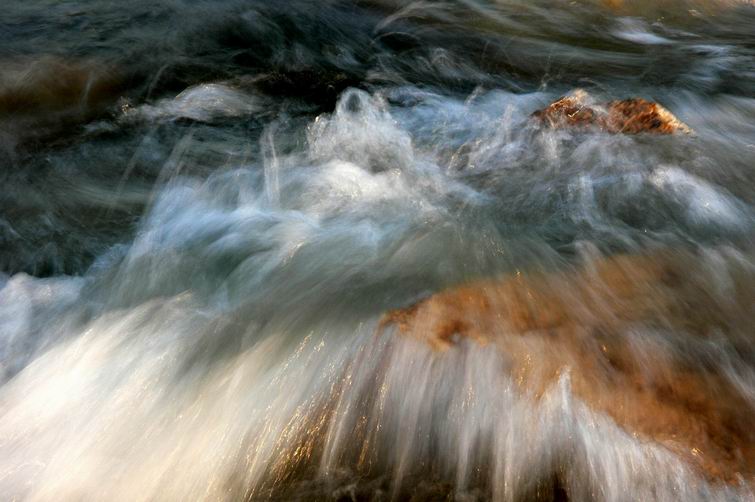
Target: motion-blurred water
[{"x": 208, "y": 206}]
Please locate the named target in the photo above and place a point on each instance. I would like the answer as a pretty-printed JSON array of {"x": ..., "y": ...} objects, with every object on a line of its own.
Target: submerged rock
[
  {"x": 626, "y": 116},
  {"x": 51, "y": 84},
  {"x": 627, "y": 331},
  {"x": 45, "y": 100}
]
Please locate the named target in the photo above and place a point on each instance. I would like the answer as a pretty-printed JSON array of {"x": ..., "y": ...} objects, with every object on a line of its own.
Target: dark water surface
[{"x": 207, "y": 206}]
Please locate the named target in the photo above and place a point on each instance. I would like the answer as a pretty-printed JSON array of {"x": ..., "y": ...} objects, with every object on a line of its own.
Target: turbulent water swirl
[{"x": 302, "y": 250}]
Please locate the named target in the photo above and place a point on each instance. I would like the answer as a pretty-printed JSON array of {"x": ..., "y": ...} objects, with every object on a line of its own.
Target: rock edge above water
[{"x": 627, "y": 116}]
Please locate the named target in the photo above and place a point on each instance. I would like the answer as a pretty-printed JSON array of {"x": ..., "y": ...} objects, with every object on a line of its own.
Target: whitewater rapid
[
  {"x": 195, "y": 276},
  {"x": 230, "y": 349}
]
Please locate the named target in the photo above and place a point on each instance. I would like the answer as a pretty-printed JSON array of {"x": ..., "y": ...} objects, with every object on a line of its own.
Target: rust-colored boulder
[
  {"x": 626, "y": 116},
  {"x": 589, "y": 322}
]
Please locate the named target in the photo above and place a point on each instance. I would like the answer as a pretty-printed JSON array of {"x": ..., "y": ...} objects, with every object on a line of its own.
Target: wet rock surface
[
  {"x": 627, "y": 116},
  {"x": 602, "y": 325}
]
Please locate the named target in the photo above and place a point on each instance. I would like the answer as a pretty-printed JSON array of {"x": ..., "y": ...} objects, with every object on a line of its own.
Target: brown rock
[
  {"x": 627, "y": 116},
  {"x": 585, "y": 322},
  {"x": 45, "y": 99},
  {"x": 50, "y": 84}
]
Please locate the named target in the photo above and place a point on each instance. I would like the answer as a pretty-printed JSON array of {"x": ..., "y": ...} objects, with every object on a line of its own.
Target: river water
[{"x": 208, "y": 207}]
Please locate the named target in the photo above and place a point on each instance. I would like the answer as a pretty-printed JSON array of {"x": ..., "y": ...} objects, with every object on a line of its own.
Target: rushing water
[{"x": 208, "y": 207}]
